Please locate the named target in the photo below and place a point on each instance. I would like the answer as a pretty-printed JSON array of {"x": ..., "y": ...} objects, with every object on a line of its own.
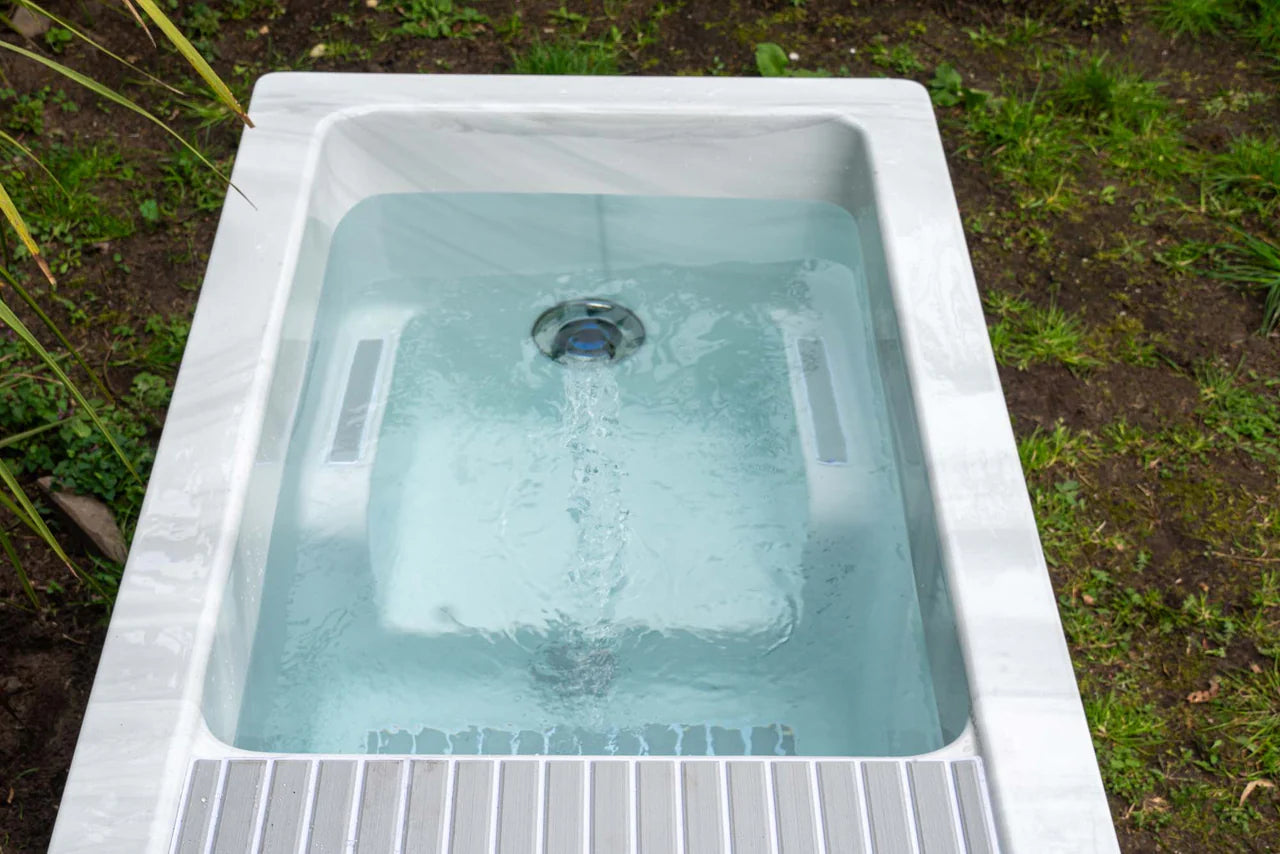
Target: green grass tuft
[
  {"x": 1025, "y": 334},
  {"x": 1247, "y": 175},
  {"x": 1126, "y": 734},
  {"x": 1061, "y": 446},
  {"x": 1245, "y": 413},
  {"x": 566, "y": 57},
  {"x": 1196, "y": 17},
  {"x": 1253, "y": 265},
  {"x": 1098, "y": 90},
  {"x": 1027, "y": 145}
]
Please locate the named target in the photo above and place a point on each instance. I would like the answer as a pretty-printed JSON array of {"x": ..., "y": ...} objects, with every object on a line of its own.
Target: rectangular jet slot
[
  {"x": 357, "y": 402},
  {"x": 828, "y": 434}
]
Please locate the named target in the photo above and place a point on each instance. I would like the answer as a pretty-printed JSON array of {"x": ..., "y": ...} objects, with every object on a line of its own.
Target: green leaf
[
  {"x": 150, "y": 211},
  {"x": 946, "y": 77},
  {"x": 947, "y": 86},
  {"x": 771, "y": 60},
  {"x": 975, "y": 97},
  {"x": 19, "y": 225}
]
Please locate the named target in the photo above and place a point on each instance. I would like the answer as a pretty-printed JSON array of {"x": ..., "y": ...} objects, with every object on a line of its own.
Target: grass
[
  {"x": 69, "y": 216},
  {"x": 1246, "y": 176},
  {"x": 1196, "y": 17},
  {"x": 1028, "y": 147},
  {"x": 1105, "y": 95},
  {"x": 1093, "y": 111},
  {"x": 188, "y": 184},
  {"x": 1127, "y": 734},
  {"x": 901, "y": 59},
  {"x": 439, "y": 19},
  {"x": 1025, "y": 334},
  {"x": 1059, "y": 447},
  {"x": 1253, "y": 264},
  {"x": 566, "y": 57},
  {"x": 1245, "y": 411}
]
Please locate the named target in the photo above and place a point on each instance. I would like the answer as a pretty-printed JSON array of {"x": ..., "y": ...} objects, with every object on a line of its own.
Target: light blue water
[{"x": 643, "y": 557}]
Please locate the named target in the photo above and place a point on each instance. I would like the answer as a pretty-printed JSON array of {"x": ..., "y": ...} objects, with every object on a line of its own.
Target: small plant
[
  {"x": 439, "y": 19},
  {"x": 204, "y": 23},
  {"x": 900, "y": 58},
  {"x": 566, "y": 57},
  {"x": 511, "y": 27},
  {"x": 773, "y": 61},
  {"x": 1018, "y": 33},
  {"x": 947, "y": 89},
  {"x": 57, "y": 38},
  {"x": 25, "y": 113},
  {"x": 150, "y": 211},
  {"x": 1233, "y": 101},
  {"x": 575, "y": 21}
]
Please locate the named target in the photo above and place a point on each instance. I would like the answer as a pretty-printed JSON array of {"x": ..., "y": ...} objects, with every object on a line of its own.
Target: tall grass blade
[
  {"x": 53, "y": 327},
  {"x": 67, "y": 25},
  {"x": 132, "y": 11},
  {"x": 33, "y": 521},
  {"x": 20, "y": 226},
  {"x": 112, "y": 95},
  {"x": 6, "y": 546},
  {"x": 193, "y": 56},
  {"x": 8, "y": 318},
  {"x": 36, "y": 160},
  {"x": 15, "y": 438},
  {"x": 28, "y": 515}
]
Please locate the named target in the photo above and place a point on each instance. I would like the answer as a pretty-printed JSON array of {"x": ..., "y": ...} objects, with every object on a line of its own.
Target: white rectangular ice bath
[{"x": 819, "y": 211}]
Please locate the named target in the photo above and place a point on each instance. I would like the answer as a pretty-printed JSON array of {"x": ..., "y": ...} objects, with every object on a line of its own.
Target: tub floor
[{"x": 505, "y": 555}]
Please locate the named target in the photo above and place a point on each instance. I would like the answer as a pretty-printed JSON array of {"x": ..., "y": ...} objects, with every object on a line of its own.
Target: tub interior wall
[{"x": 523, "y": 151}]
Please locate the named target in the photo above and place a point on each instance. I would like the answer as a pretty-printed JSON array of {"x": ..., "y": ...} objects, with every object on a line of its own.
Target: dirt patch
[
  {"x": 1148, "y": 397},
  {"x": 45, "y": 677}
]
